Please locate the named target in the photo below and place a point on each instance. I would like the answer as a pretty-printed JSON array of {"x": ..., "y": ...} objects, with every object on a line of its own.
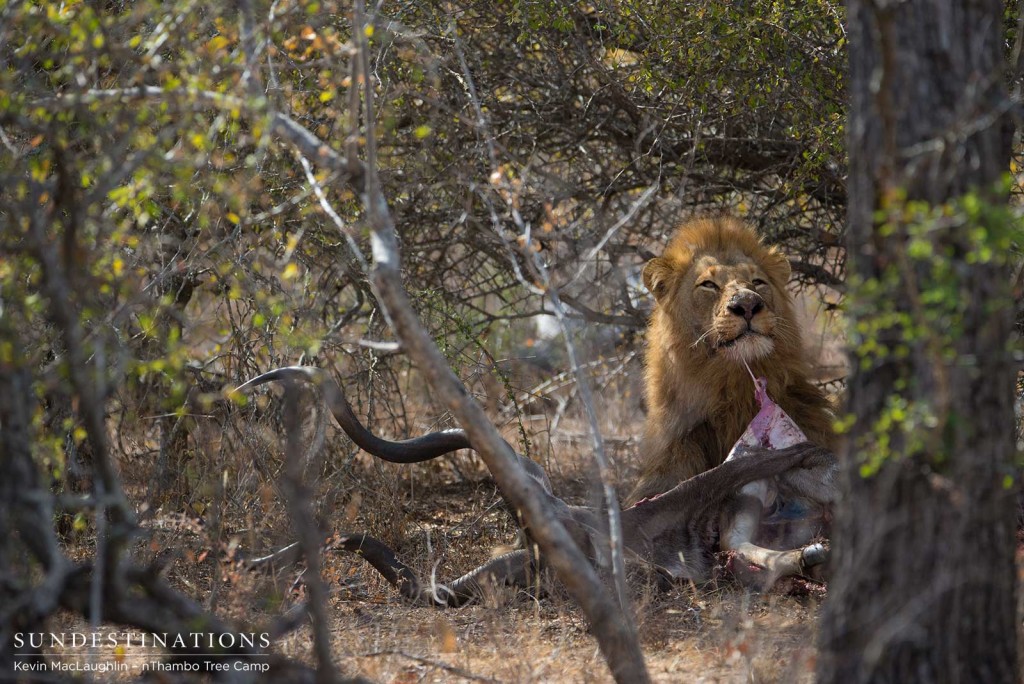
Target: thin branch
[
  {"x": 627, "y": 217},
  {"x": 611, "y": 503},
  {"x": 616, "y": 640},
  {"x": 613, "y": 630},
  {"x": 352, "y": 171},
  {"x": 297, "y": 497}
]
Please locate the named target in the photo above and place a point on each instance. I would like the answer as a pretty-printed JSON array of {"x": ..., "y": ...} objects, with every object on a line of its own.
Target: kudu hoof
[{"x": 815, "y": 554}]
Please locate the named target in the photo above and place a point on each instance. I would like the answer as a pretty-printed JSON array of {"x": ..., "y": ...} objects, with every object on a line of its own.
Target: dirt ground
[{"x": 715, "y": 633}]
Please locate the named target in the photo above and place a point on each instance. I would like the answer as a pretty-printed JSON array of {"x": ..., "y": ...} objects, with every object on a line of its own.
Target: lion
[{"x": 720, "y": 299}]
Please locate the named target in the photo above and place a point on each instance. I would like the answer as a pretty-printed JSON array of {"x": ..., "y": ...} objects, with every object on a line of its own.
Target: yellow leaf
[
  {"x": 290, "y": 271},
  {"x": 233, "y": 217},
  {"x": 327, "y": 96},
  {"x": 368, "y": 30},
  {"x": 216, "y": 43},
  {"x": 422, "y": 131}
]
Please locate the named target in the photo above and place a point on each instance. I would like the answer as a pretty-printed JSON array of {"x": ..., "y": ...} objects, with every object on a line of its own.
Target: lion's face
[
  {"x": 727, "y": 298},
  {"x": 733, "y": 309}
]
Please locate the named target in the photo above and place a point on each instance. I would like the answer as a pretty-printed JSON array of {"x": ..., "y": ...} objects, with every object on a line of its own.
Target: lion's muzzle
[{"x": 746, "y": 304}]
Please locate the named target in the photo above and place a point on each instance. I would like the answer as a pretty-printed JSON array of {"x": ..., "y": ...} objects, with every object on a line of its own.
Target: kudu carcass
[{"x": 675, "y": 533}]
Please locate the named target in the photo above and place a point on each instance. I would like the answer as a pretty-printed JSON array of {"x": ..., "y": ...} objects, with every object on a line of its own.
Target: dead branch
[
  {"x": 297, "y": 497},
  {"x": 514, "y": 569},
  {"x": 617, "y": 641},
  {"x": 133, "y": 595}
]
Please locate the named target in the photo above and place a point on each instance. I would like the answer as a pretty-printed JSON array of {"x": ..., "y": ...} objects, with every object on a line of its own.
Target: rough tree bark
[{"x": 924, "y": 587}]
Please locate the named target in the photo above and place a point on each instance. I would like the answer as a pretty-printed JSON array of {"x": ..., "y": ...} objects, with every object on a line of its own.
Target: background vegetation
[
  {"x": 164, "y": 240},
  {"x": 198, "y": 247}
]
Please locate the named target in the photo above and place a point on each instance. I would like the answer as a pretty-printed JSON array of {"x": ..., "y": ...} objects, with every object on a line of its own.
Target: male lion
[{"x": 721, "y": 299}]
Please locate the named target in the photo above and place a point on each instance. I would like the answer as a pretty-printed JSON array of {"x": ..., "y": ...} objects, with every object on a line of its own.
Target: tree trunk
[{"x": 924, "y": 583}]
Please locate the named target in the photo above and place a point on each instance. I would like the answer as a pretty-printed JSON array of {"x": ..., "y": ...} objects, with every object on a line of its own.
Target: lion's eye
[
  {"x": 709, "y": 284},
  {"x": 758, "y": 282}
]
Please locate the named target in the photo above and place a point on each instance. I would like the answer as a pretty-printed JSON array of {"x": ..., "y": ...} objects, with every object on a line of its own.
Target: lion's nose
[{"x": 745, "y": 304}]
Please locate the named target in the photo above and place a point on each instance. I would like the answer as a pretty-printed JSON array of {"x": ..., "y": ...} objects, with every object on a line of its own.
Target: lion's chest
[{"x": 726, "y": 421}]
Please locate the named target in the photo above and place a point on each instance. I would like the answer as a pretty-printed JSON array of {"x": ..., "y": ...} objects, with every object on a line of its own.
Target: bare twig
[
  {"x": 615, "y": 635},
  {"x": 611, "y": 502},
  {"x": 617, "y": 641},
  {"x": 135, "y": 596},
  {"x": 604, "y": 476}
]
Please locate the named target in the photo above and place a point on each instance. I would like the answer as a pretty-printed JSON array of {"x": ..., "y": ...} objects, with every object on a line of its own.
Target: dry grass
[
  {"x": 445, "y": 518},
  {"x": 719, "y": 634}
]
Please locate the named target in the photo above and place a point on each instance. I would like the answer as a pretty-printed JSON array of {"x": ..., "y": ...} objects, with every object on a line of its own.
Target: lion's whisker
[{"x": 701, "y": 338}]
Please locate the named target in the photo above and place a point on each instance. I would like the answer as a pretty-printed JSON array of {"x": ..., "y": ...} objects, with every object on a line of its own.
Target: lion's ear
[
  {"x": 777, "y": 266},
  {"x": 656, "y": 276}
]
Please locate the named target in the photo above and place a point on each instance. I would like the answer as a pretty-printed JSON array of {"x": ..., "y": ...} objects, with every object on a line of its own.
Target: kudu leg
[
  {"x": 779, "y": 564},
  {"x": 739, "y": 526}
]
